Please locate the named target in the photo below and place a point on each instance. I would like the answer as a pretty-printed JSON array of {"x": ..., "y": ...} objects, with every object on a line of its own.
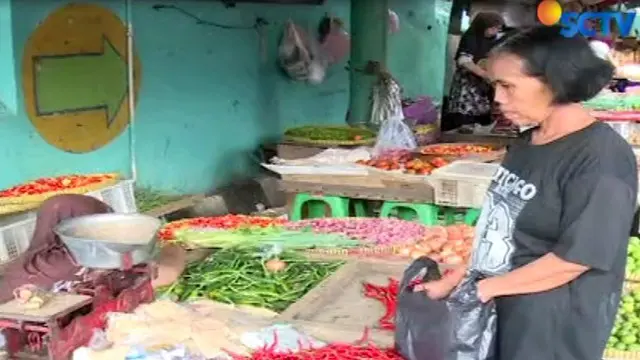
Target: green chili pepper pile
[
  {"x": 240, "y": 276},
  {"x": 342, "y": 133},
  {"x": 147, "y": 199}
]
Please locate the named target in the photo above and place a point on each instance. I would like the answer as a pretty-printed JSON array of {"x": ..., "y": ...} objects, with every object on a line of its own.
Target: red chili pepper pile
[
  {"x": 335, "y": 351},
  {"x": 388, "y": 296},
  {"x": 225, "y": 222}
]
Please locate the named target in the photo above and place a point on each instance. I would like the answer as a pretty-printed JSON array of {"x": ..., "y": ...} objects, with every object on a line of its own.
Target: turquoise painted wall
[
  {"x": 8, "y": 96},
  {"x": 209, "y": 96}
]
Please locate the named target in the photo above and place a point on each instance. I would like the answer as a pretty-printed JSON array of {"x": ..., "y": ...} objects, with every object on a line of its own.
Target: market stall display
[
  {"x": 246, "y": 276},
  {"x": 330, "y": 135}
]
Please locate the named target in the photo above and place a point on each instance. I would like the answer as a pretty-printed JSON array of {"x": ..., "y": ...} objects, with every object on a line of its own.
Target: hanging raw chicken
[{"x": 300, "y": 56}]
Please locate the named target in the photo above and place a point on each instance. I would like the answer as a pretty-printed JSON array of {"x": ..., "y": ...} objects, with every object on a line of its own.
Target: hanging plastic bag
[
  {"x": 335, "y": 41},
  {"x": 386, "y": 111},
  {"x": 394, "y": 22},
  {"x": 394, "y": 134},
  {"x": 300, "y": 57},
  {"x": 460, "y": 327}
]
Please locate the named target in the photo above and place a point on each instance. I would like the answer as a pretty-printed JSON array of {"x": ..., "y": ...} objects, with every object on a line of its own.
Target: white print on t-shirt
[{"x": 506, "y": 197}]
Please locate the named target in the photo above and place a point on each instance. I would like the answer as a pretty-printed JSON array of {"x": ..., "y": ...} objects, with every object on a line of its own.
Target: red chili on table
[
  {"x": 335, "y": 351},
  {"x": 387, "y": 295}
]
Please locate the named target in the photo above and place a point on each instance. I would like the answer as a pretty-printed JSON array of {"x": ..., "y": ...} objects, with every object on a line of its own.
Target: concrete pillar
[{"x": 369, "y": 29}]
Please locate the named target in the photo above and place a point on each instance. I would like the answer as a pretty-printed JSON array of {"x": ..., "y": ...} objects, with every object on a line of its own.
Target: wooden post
[{"x": 369, "y": 29}]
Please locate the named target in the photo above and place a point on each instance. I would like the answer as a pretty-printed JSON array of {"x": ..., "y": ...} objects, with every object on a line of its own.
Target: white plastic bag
[
  {"x": 299, "y": 55},
  {"x": 394, "y": 134}
]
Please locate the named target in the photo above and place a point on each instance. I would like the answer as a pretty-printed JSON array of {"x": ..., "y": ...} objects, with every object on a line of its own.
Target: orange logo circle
[{"x": 549, "y": 12}]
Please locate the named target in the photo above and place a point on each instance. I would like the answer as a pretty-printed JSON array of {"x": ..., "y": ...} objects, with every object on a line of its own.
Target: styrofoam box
[
  {"x": 462, "y": 184},
  {"x": 16, "y": 230}
]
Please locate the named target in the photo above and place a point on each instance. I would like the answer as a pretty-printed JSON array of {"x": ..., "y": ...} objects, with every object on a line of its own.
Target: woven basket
[
  {"x": 7, "y": 209},
  {"x": 305, "y": 141},
  {"x": 38, "y": 199},
  {"x": 611, "y": 354}
]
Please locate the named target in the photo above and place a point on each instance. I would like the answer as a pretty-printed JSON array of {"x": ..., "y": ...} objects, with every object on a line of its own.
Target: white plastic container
[
  {"x": 16, "y": 230},
  {"x": 462, "y": 184}
]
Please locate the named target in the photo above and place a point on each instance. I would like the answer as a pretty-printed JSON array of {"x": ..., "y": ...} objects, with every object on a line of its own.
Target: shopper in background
[
  {"x": 553, "y": 232},
  {"x": 470, "y": 96}
]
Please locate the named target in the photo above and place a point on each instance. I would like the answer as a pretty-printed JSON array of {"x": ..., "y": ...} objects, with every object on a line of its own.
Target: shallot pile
[
  {"x": 374, "y": 231},
  {"x": 449, "y": 245}
]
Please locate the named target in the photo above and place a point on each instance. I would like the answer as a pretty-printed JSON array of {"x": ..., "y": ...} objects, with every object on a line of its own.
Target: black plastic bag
[{"x": 460, "y": 327}]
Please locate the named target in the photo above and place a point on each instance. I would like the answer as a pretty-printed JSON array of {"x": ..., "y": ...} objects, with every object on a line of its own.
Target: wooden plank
[
  {"x": 370, "y": 181},
  {"x": 175, "y": 205},
  {"x": 61, "y": 303},
  {"x": 338, "y": 301},
  {"x": 422, "y": 195}
]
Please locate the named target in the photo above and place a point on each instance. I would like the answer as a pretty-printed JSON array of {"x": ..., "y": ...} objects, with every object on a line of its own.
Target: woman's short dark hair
[
  {"x": 483, "y": 21},
  {"x": 569, "y": 66}
]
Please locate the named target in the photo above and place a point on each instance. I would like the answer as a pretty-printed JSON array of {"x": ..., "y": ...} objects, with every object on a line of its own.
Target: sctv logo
[{"x": 573, "y": 23}]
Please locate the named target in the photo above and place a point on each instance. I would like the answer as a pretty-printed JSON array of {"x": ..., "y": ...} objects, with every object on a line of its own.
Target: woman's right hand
[
  {"x": 440, "y": 289},
  {"x": 436, "y": 290}
]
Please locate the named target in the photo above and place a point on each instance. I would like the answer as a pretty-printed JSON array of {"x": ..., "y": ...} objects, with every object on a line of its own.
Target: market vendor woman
[
  {"x": 553, "y": 233},
  {"x": 47, "y": 260},
  {"x": 470, "y": 96}
]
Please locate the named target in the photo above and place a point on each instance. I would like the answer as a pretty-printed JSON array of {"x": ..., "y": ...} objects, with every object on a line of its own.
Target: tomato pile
[
  {"x": 455, "y": 149},
  {"x": 225, "y": 222},
  {"x": 54, "y": 184},
  {"x": 404, "y": 161}
]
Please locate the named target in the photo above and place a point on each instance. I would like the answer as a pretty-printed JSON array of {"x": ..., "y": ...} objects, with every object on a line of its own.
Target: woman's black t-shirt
[{"x": 574, "y": 197}]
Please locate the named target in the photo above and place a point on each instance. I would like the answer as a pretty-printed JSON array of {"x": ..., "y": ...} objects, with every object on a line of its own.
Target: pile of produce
[
  {"x": 225, "y": 222},
  {"x": 633, "y": 258},
  {"x": 450, "y": 245},
  {"x": 371, "y": 231},
  {"x": 244, "y": 276},
  {"x": 626, "y": 331},
  {"x": 333, "y": 351},
  {"x": 457, "y": 150},
  {"x": 274, "y": 236},
  {"x": 147, "y": 199},
  {"x": 330, "y": 133},
  {"x": 387, "y": 295},
  {"x": 31, "y": 194},
  {"x": 404, "y": 161}
]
